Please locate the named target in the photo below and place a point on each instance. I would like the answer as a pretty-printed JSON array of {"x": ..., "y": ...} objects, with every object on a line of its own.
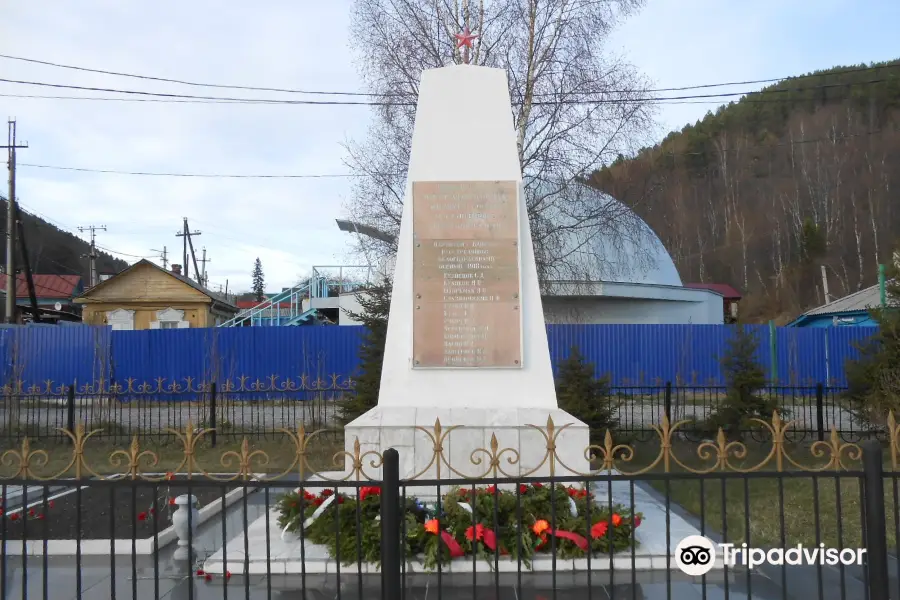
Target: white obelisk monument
[{"x": 466, "y": 339}]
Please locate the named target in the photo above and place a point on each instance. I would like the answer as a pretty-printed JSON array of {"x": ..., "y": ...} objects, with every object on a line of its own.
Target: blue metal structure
[
  {"x": 845, "y": 319},
  {"x": 247, "y": 356},
  {"x": 853, "y": 310},
  {"x": 301, "y": 304}
]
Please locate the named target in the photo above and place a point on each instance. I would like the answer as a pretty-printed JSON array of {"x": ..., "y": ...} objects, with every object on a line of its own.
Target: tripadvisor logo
[{"x": 695, "y": 555}]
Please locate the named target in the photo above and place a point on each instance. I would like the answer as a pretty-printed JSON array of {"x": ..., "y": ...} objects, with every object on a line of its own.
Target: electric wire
[
  {"x": 556, "y": 102},
  {"x": 385, "y": 95},
  {"x": 741, "y": 148}
]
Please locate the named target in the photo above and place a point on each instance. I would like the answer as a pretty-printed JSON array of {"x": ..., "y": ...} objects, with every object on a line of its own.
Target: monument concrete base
[{"x": 464, "y": 436}]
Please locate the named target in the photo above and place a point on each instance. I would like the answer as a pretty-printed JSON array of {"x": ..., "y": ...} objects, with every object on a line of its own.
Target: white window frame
[
  {"x": 120, "y": 319},
  {"x": 170, "y": 318}
]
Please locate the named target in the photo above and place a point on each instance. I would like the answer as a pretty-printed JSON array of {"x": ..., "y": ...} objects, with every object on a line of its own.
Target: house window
[
  {"x": 170, "y": 318},
  {"x": 120, "y": 319}
]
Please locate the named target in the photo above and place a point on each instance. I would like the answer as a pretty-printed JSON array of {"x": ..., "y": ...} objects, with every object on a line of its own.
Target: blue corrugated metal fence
[{"x": 273, "y": 357}]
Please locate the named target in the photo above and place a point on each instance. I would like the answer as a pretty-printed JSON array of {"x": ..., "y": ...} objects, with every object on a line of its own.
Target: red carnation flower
[
  {"x": 523, "y": 488},
  {"x": 207, "y": 577},
  {"x": 31, "y": 512},
  {"x": 319, "y": 501},
  {"x": 537, "y": 485},
  {"x": 327, "y": 493},
  {"x": 14, "y": 517},
  {"x": 50, "y": 504},
  {"x": 200, "y": 572},
  {"x": 227, "y": 574},
  {"x": 475, "y": 533},
  {"x": 491, "y": 489},
  {"x": 142, "y": 516},
  {"x": 40, "y": 516},
  {"x": 365, "y": 492},
  {"x": 599, "y": 529}
]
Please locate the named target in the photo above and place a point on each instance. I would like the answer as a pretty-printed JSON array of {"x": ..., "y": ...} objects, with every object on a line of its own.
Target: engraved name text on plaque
[{"x": 467, "y": 311}]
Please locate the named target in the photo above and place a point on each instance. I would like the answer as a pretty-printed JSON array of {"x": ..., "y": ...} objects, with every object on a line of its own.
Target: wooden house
[{"x": 146, "y": 296}]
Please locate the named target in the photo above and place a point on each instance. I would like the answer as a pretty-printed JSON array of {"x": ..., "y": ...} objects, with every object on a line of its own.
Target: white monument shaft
[{"x": 464, "y": 133}]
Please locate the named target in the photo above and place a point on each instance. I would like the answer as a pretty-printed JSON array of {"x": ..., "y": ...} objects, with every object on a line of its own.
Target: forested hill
[
  {"x": 764, "y": 191},
  {"x": 54, "y": 251}
]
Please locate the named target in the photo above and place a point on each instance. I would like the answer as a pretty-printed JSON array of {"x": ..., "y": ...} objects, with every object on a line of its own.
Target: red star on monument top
[{"x": 465, "y": 38}]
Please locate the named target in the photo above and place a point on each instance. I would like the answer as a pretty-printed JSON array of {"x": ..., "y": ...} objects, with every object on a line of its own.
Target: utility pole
[
  {"x": 203, "y": 262},
  {"x": 93, "y": 255},
  {"x": 186, "y": 233},
  {"x": 12, "y": 214},
  {"x": 825, "y": 285},
  {"x": 164, "y": 256}
]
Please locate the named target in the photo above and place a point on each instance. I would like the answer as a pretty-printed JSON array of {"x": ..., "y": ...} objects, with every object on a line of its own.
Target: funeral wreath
[{"x": 486, "y": 521}]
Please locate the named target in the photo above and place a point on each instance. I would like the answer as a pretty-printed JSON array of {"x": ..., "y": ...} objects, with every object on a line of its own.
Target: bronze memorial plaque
[{"x": 466, "y": 275}]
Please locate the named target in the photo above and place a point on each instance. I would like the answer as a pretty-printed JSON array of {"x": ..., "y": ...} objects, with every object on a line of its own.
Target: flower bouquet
[{"x": 539, "y": 519}]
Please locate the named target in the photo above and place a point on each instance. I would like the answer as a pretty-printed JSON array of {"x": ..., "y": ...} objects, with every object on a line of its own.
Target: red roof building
[
  {"x": 730, "y": 297},
  {"x": 47, "y": 288},
  {"x": 725, "y": 290},
  {"x": 54, "y": 293}
]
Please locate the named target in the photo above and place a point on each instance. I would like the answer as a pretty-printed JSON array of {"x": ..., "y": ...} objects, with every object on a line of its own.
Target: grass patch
[
  {"x": 767, "y": 509},
  {"x": 280, "y": 451}
]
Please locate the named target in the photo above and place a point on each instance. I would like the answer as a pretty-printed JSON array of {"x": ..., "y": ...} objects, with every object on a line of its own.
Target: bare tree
[{"x": 575, "y": 108}]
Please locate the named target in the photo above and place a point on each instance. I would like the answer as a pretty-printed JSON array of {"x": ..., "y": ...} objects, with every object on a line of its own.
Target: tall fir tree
[
  {"x": 259, "y": 281},
  {"x": 744, "y": 378},
  {"x": 376, "y": 305},
  {"x": 873, "y": 380}
]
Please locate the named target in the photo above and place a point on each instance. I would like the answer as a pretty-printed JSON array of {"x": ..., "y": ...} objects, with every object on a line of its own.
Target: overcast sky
[{"x": 303, "y": 44}]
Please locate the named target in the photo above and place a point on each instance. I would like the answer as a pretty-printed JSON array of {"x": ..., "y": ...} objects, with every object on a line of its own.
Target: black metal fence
[
  {"x": 813, "y": 411},
  {"x": 602, "y": 535}
]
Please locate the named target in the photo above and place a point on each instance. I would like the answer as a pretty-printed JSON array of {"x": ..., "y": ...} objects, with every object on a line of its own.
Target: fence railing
[
  {"x": 669, "y": 522},
  {"x": 263, "y": 413}
]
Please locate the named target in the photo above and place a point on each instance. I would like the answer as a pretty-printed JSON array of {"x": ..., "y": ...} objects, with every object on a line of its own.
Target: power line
[
  {"x": 193, "y": 97},
  {"x": 655, "y": 101},
  {"x": 382, "y": 95},
  {"x": 212, "y": 175},
  {"x": 382, "y": 103},
  {"x": 830, "y": 140},
  {"x": 109, "y": 250},
  {"x": 70, "y": 230},
  {"x": 154, "y": 100}
]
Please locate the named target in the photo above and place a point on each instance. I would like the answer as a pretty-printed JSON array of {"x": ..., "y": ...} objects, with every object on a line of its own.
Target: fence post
[
  {"x": 391, "y": 561},
  {"x": 212, "y": 413},
  {"x": 875, "y": 532},
  {"x": 773, "y": 353},
  {"x": 820, "y": 411},
  {"x": 667, "y": 401},
  {"x": 70, "y": 408}
]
